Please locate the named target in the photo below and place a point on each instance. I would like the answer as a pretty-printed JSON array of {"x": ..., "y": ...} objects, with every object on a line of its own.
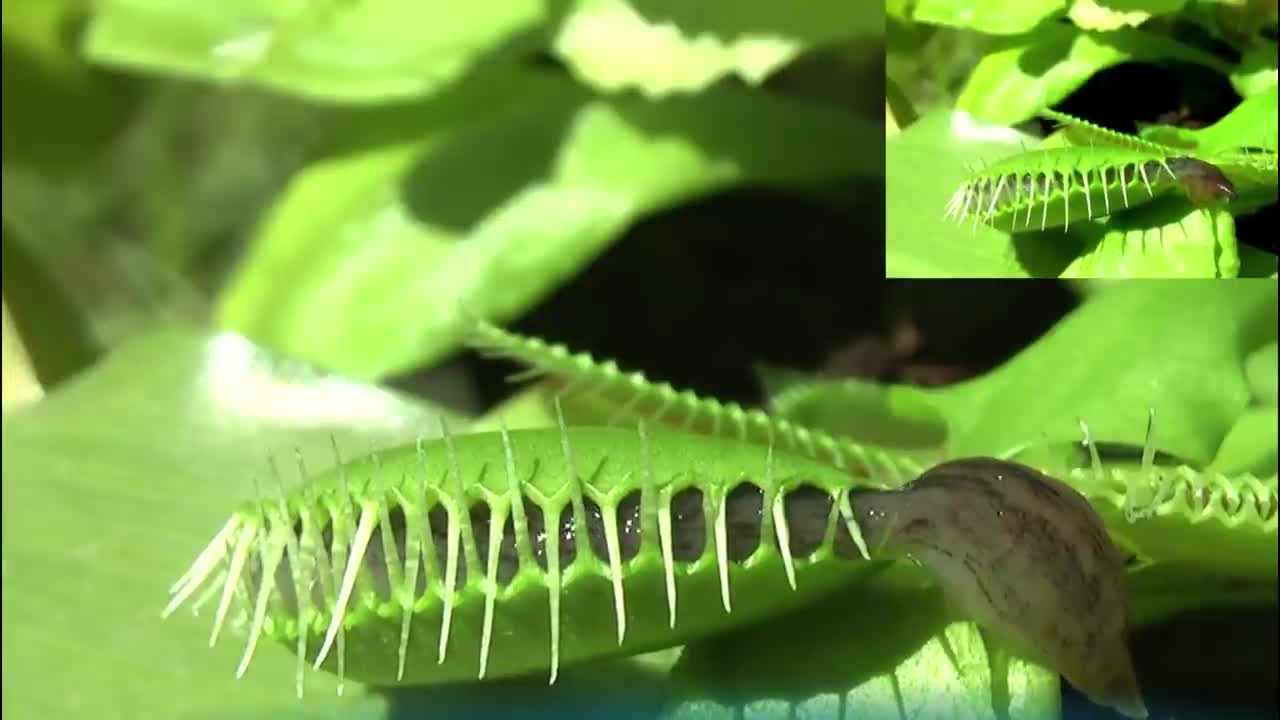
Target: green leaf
[
  {"x": 1028, "y": 73},
  {"x": 485, "y": 199},
  {"x": 660, "y": 47},
  {"x": 897, "y": 416},
  {"x": 56, "y": 333},
  {"x": 327, "y": 49},
  {"x": 20, "y": 386},
  {"x": 114, "y": 482},
  {"x": 1250, "y": 446},
  {"x": 1261, "y": 369},
  {"x": 1255, "y": 263},
  {"x": 58, "y": 111},
  {"x": 923, "y": 166},
  {"x": 1252, "y": 123},
  {"x": 1176, "y": 346},
  {"x": 875, "y": 651},
  {"x": 1115, "y": 14},
  {"x": 1163, "y": 591},
  {"x": 1164, "y": 238},
  {"x": 998, "y": 17},
  {"x": 1257, "y": 70}
]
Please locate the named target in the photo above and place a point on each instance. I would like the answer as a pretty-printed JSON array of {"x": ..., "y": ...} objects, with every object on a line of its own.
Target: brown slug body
[
  {"x": 1203, "y": 183},
  {"x": 1026, "y": 557}
]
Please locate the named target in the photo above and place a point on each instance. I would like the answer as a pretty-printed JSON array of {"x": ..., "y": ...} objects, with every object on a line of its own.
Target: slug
[
  {"x": 1203, "y": 183},
  {"x": 1023, "y": 555}
]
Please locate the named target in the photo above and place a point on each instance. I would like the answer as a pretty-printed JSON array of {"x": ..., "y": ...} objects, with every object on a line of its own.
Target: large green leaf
[
  {"x": 876, "y": 651},
  {"x": 486, "y": 198},
  {"x": 112, "y": 485},
  {"x": 1176, "y": 346},
  {"x": 326, "y": 49},
  {"x": 1030, "y": 72},
  {"x": 1257, "y": 70},
  {"x": 1217, "y": 358},
  {"x": 1252, "y": 123}
]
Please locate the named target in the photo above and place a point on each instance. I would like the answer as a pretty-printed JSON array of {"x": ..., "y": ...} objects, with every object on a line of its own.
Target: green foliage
[
  {"x": 450, "y": 166},
  {"x": 468, "y": 160},
  {"x": 1032, "y": 59},
  {"x": 1200, "y": 395},
  {"x": 113, "y": 480},
  {"x": 328, "y": 49},
  {"x": 665, "y": 46},
  {"x": 512, "y": 183},
  {"x": 58, "y": 110},
  {"x": 187, "y": 428}
]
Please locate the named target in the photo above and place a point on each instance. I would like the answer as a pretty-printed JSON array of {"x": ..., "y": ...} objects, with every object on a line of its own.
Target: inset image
[{"x": 1081, "y": 139}]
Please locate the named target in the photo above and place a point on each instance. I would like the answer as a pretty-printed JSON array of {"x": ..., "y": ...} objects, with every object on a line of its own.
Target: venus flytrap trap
[
  {"x": 774, "y": 515},
  {"x": 665, "y": 536},
  {"x": 493, "y": 554},
  {"x": 1156, "y": 204},
  {"x": 1176, "y": 514},
  {"x": 1179, "y": 502},
  {"x": 1052, "y": 187},
  {"x": 634, "y": 396}
]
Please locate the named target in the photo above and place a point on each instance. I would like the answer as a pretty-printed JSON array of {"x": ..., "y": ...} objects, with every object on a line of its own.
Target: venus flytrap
[
  {"x": 722, "y": 515},
  {"x": 776, "y": 515},
  {"x": 1098, "y": 172},
  {"x": 635, "y": 396},
  {"x": 482, "y": 570}
]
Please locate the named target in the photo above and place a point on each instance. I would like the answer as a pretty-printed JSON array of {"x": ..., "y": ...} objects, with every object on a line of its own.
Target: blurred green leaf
[
  {"x": 998, "y": 17},
  {"x": 1255, "y": 263},
  {"x": 1261, "y": 369},
  {"x": 1257, "y": 70},
  {"x": 54, "y": 330},
  {"x": 1115, "y": 14},
  {"x": 339, "y": 50},
  {"x": 897, "y": 416},
  {"x": 57, "y": 110},
  {"x": 21, "y": 387},
  {"x": 661, "y": 46},
  {"x": 113, "y": 483},
  {"x": 486, "y": 198},
  {"x": 1250, "y": 446}
]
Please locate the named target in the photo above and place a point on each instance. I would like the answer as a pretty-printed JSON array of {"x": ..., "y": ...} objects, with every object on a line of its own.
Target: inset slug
[{"x": 1026, "y": 557}]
